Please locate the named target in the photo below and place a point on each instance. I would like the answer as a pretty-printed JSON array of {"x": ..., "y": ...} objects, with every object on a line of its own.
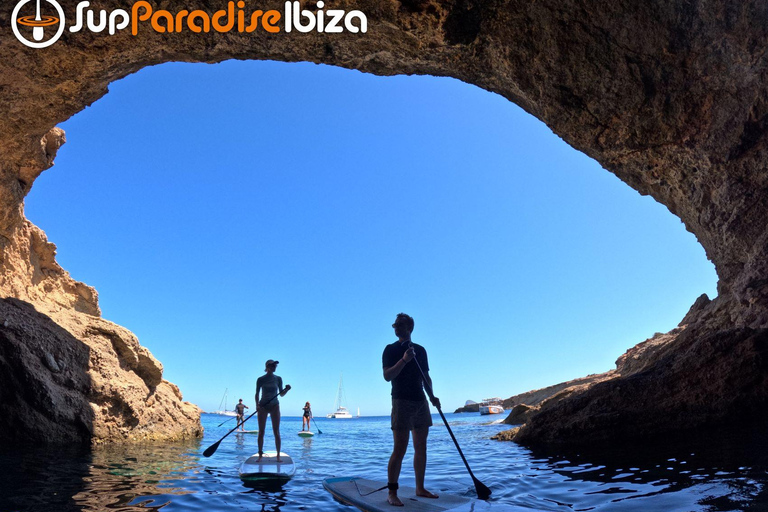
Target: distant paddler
[
  {"x": 240, "y": 414},
  {"x": 270, "y": 386},
  {"x": 306, "y": 417}
]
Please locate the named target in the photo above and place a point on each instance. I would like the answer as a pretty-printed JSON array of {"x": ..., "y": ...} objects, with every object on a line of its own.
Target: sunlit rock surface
[
  {"x": 69, "y": 377},
  {"x": 670, "y": 96}
]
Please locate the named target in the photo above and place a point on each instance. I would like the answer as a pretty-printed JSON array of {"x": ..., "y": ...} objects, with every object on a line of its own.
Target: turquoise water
[{"x": 176, "y": 477}]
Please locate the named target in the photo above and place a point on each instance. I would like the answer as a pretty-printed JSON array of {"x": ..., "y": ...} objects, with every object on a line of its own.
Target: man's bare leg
[
  {"x": 420, "y": 461},
  {"x": 401, "y": 438}
]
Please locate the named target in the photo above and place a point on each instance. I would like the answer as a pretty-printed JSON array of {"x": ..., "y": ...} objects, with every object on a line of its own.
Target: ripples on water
[{"x": 176, "y": 477}]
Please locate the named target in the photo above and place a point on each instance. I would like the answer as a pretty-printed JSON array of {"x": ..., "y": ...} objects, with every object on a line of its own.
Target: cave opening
[{"x": 242, "y": 211}]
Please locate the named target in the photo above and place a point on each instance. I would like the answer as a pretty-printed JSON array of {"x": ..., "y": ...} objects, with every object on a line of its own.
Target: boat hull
[
  {"x": 341, "y": 413},
  {"x": 491, "y": 409}
]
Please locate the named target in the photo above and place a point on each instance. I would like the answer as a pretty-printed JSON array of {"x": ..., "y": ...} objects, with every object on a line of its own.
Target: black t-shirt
[
  {"x": 240, "y": 409},
  {"x": 408, "y": 384}
]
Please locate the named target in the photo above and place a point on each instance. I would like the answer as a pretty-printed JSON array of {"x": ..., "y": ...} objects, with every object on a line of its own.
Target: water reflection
[
  {"x": 714, "y": 475},
  {"x": 268, "y": 497},
  {"x": 137, "y": 475},
  {"x": 41, "y": 480}
]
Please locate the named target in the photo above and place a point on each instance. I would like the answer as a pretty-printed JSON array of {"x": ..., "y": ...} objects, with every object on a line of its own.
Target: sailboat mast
[{"x": 224, "y": 400}]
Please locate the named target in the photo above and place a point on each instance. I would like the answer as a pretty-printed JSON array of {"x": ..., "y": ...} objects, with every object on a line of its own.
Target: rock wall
[
  {"x": 67, "y": 375},
  {"x": 688, "y": 381},
  {"x": 72, "y": 378},
  {"x": 669, "y": 95}
]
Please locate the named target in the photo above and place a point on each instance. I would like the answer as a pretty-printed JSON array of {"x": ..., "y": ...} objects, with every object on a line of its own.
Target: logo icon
[{"x": 39, "y": 23}]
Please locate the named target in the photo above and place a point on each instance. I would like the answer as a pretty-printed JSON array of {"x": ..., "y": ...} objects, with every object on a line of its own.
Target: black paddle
[
  {"x": 318, "y": 428},
  {"x": 215, "y": 446},
  {"x": 483, "y": 492},
  {"x": 223, "y": 422}
]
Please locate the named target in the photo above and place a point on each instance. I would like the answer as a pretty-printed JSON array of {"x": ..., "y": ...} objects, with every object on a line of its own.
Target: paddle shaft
[
  {"x": 318, "y": 428},
  {"x": 478, "y": 484},
  {"x": 230, "y": 419}
]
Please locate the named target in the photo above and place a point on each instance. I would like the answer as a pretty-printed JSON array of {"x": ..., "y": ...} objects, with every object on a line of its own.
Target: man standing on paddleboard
[
  {"x": 270, "y": 386},
  {"x": 410, "y": 411},
  {"x": 240, "y": 413}
]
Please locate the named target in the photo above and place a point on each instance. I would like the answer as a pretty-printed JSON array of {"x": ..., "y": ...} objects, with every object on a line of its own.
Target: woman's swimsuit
[{"x": 271, "y": 386}]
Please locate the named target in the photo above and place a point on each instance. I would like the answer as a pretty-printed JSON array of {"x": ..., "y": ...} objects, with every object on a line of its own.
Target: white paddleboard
[
  {"x": 350, "y": 490},
  {"x": 246, "y": 431},
  {"x": 268, "y": 469},
  {"x": 304, "y": 433}
]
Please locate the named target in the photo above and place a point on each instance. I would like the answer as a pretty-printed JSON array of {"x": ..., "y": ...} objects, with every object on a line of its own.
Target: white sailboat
[
  {"x": 341, "y": 411},
  {"x": 224, "y": 411}
]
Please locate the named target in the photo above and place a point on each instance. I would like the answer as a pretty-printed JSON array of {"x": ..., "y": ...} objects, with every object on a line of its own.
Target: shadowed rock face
[
  {"x": 670, "y": 96},
  {"x": 72, "y": 378}
]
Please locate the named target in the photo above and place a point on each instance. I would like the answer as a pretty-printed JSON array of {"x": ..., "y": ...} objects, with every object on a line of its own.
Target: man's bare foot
[
  {"x": 393, "y": 500},
  {"x": 423, "y": 493}
]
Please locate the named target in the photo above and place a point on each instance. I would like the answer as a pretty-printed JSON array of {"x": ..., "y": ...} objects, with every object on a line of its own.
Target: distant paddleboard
[
  {"x": 246, "y": 431},
  {"x": 305, "y": 433},
  {"x": 268, "y": 469},
  {"x": 351, "y": 491}
]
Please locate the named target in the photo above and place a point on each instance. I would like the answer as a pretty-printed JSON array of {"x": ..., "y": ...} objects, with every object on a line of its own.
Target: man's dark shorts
[{"x": 410, "y": 414}]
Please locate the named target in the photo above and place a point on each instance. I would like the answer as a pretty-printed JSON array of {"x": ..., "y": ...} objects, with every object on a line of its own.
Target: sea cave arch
[{"x": 670, "y": 97}]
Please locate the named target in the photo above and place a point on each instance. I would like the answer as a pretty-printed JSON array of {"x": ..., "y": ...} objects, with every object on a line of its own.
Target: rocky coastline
[
  {"x": 68, "y": 376},
  {"x": 651, "y": 391},
  {"x": 533, "y": 398}
]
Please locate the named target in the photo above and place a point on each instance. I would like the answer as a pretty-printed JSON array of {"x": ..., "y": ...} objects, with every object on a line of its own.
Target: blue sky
[{"x": 243, "y": 211}]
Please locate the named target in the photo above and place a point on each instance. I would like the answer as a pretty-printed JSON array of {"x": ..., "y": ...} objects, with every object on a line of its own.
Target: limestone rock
[
  {"x": 506, "y": 435},
  {"x": 688, "y": 380},
  {"x": 62, "y": 380},
  {"x": 521, "y": 413},
  {"x": 473, "y": 407}
]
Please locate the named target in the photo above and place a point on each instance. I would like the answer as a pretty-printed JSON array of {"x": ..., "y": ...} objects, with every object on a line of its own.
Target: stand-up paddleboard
[
  {"x": 305, "y": 433},
  {"x": 268, "y": 469},
  {"x": 246, "y": 431},
  {"x": 353, "y": 491}
]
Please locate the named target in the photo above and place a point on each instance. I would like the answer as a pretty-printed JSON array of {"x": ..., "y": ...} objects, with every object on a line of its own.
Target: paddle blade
[
  {"x": 483, "y": 492},
  {"x": 215, "y": 446}
]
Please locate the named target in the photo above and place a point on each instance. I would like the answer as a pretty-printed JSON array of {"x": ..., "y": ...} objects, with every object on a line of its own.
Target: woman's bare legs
[
  {"x": 261, "y": 415},
  {"x": 275, "y": 414}
]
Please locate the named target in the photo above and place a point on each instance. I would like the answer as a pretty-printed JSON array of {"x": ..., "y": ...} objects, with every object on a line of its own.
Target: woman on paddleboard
[
  {"x": 270, "y": 386},
  {"x": 410, "y": 411},
  {"x": 307, "y": 415}
]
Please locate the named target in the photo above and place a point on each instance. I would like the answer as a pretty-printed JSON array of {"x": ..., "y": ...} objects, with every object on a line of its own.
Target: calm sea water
[{"x": 176, "y": 477}]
